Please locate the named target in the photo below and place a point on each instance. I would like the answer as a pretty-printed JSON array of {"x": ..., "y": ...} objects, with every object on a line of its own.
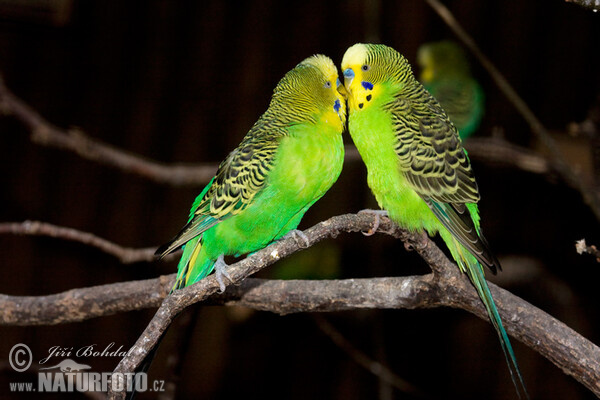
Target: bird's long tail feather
[
  {"x": 193, "y": 265},
  {"x": 474, "y": 271},
  {"x": 144, "y": 367}
]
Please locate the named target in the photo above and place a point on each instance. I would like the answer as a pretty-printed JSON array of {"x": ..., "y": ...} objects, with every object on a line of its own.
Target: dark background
[{"x": 183, "y": 82}]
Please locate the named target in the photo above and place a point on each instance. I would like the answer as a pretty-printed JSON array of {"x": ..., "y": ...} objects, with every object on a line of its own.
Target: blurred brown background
[{"x": 183, "y": 82}]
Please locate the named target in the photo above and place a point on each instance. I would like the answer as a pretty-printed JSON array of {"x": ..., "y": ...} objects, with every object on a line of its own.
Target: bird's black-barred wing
[
  {"x": 436, "y": 166},
  {"x": 429, "y": 151},
  {"x": 240, "y": 177}
]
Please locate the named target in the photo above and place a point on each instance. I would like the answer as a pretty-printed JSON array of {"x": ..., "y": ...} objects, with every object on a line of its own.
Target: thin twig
[
  {"x": 374, "y": 367},
  {"x": 590, "y": 129},
  {"x": 582, "y": 247},
  {"x": 126, "y": 255},
  {"x": 174, "y": 366},
  {"x": 590, "y": 196},
  {"x": 43, "y": 132},
  {"x": 593, "y": 5},
  {"x": 499, "y": 151}
]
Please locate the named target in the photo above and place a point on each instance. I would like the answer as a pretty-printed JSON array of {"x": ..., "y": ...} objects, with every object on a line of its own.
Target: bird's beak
[
  {"x": 348, "y": 77},
  {"x": 342, "y": 90}
]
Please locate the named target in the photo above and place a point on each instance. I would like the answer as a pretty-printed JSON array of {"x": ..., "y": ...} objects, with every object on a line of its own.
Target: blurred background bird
[{"x": 446, "y": 74}]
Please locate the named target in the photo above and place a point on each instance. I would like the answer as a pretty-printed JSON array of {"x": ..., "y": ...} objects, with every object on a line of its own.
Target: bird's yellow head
[
  {"x": 310, "y": 92},
  {"x": 441, "y": 59},
  {"x": 367, "y": 67},
  {"x": 426, "y": 61}
]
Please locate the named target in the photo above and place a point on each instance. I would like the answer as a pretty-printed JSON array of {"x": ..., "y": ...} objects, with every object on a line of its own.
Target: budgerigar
[
  {"x": 285, "y": 163},
  {"x": 446, "y": 74},
  {"x": 416, "y": 166}
]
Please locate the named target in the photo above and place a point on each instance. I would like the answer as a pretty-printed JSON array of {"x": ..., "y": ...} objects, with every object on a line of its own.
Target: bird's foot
[
  {"x": 300, "y": 238},
  {"x": 221, "y": 272},
  {"x": 377, "y": 214}
]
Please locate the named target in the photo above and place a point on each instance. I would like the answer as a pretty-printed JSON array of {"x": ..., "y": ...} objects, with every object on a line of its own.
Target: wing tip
[
  {"x": 490, "y": 261},
  {"x": 163, "y": 250},
  {"x": 172, "y": 244}
]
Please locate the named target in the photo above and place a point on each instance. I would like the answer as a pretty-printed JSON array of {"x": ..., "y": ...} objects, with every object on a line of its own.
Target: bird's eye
[
  {"x": 365, "y": 67},
  {"x": 327, "y": 85}
]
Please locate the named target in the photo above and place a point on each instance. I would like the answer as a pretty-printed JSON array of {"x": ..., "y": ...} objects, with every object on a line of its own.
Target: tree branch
[
  {"x": 446, "y": 286},
  {"x": 499, "y": 151},
  {"x": 582, "y": 247},
  {"x": 208, "y": 286},
  {"x": 126, "y": 255},
  {"x": 77, "y": 305},
  {"x": 278, "y": 296},
  {"x": 571, "y": 352},
  {"x": 374, "y": 367},
  {"x": 590, "y": 196},
  {"x": 42, "y": 132},
  {"x": 593, "y": 5}
]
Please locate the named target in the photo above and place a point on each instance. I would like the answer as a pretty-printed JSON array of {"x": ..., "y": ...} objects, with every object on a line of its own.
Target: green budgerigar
[
  {"x": 285, "y": 163},
  {"x": 416, "y": 166},
  {"x": 446, "y": 74}
]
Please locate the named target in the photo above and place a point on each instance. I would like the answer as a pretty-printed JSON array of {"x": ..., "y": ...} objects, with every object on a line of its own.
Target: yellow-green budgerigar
[
  {"x": 416, "y": 166},
  {"x": 446, "y": 74},
  {"x": 285, "y": 163}
]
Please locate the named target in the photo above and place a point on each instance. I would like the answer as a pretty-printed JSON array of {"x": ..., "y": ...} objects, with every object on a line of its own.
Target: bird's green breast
[
  {"x": 307, "y": 163},
  {"x": 372, "y": 132}
]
